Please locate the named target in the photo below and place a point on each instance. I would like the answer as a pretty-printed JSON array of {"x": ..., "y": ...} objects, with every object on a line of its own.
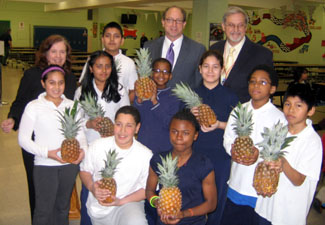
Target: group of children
[{"x": 211, "y": 183}]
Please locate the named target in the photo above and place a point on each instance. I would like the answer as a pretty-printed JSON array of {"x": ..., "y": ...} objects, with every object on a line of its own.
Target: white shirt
[
  {"x": 176, "y": 48},
  {"x": 126, "y": 71},
  {"x": 41, "y": 117},
  {"x": 127, "y": 74},
  {"x": 241, "y": 176},
  {"x": 131, "y": 174},
  {"x": 110, "y": 109},
  {"x": 237, "y": 47},
  {"x": 290, "y": 204}
]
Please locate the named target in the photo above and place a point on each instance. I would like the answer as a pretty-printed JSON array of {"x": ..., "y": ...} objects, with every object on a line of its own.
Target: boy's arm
[{"x": 293, "y": 175}]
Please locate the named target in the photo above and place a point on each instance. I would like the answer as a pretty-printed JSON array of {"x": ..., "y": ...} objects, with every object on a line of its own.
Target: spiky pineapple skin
[
  {"x": 108, "y": 184},
  {"x": 106, "y": 127},
  {"x": 170, "y": 200},
  {"x": 145, "y": 88},
  {"x": 265, "y": 180},
  {"x": 206, "y": 117},
  {"x": 243, "y": 149},
  {"x": 70, "y": 150}
]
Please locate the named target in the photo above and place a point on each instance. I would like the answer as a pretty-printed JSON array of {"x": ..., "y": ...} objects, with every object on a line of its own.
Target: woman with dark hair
[
  {"x": 53, "y": 50},
  {"x": 101, "y": 81},
  {"x": 300, "y": 76}
]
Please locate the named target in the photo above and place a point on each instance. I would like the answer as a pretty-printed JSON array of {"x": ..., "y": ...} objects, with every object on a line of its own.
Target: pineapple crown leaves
[
  {"x": 243, "y": 126},
  {"x": 69, "y": 125},
  {"x": 274, "y": 141},
  {"x": 187, "y": 95},
  {"x": 167, "y": 171},
  {"x": 91, "y": 107},
  {"x": 111, "y": 163},
  {"x": 143, "y": 62}
]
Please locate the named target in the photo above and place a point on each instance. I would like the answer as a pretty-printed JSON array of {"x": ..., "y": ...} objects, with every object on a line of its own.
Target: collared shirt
[
  {"x": 176, "y": 48},
  {"x": 237, "y": 47}
]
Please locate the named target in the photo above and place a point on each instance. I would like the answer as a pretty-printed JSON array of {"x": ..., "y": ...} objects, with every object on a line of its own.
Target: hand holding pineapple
[
  {"x": 248, "y": 159},
  {"x": 102, "y": 194}
]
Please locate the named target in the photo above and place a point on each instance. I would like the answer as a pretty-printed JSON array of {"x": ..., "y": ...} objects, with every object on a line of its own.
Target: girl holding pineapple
[
  {"x": 53, "y": 177},
  {"x": 210, "y": 141},
  {"x": 188, "y": 188},
  {"x": 101, "y": 96}
]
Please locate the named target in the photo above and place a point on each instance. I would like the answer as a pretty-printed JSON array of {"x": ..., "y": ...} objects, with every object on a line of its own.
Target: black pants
[
  {"x": 29, "y": 166},
  {"x": 53, "y": 188}
]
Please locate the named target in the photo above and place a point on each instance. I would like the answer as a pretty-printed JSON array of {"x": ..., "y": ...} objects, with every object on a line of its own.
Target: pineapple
[
  {"x": 206, "y": 115},
  {"x": 107, "y": 181},
  {"x": 94, "y": 110},
  {"x": 70, "y": 127},
  {"x": 170, "y": 197},
  {"x": 243, "y": 126},
  {"x": 145, "y": 86},
  {"x": 274, "y": 141}
]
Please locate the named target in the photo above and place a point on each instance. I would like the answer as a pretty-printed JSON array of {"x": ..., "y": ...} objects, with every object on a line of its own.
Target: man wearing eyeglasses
[
  {"x": 240, "y": 54},
  {"x": 182, "y": 52}
]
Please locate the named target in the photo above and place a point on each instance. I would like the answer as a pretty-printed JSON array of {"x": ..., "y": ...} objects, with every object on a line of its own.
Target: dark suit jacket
[
  {"x": 249, "y": 57},
  {"x": 186, "y": 67},
  {"x": 30, "y": 87}
]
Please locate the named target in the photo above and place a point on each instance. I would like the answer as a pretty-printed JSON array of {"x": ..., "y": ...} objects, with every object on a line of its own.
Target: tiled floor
[{"x": 14, "y": 209}]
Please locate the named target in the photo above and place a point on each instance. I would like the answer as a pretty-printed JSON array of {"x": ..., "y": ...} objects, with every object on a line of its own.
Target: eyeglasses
[
  {"x": 238, "y": 26},
  {"x": 260, "y": 82},
  {"x": 165, "y": 72},
  {"x": 171, "y": 21}
]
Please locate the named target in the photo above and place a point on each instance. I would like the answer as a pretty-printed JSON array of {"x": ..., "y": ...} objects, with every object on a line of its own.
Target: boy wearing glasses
[
  {"x": 241, "y": 196},
  {"x": 156, "y": 114},
  {"x": 239, "y": 53}
]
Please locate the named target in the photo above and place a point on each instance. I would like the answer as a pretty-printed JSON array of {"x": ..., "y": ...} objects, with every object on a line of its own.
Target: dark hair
[
  {"x": 174, "y": 6},
  {"x": 50, "y": 69},
  {"x": 269, "y": 70},
  {"x": 162, "y": 60},
  {"x": 302, "y": 91},
  {"x": 185, "y": 114},
  {"x": 110, "y": 92},
  {"x": 131, "y": 110},
  {"x": 41, "y": 59},
  {"x": 297, "y": 73},
  {"x": 113, "y": 25},
  {"x": 214, "y": 53}
]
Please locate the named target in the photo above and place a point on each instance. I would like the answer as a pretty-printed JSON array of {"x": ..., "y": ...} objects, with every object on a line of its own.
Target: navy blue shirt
[
  {"x": 155, "y": 119},
  {"x": 191, "y": 176}
]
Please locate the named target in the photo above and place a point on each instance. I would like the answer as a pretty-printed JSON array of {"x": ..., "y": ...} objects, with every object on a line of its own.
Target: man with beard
[{"x": 240, "y": 54}]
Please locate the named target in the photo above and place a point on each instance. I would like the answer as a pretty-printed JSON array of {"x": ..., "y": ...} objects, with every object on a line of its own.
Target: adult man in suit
[
  {"x": 185, "y": 53},
  {"x": 240, "y": 54}
]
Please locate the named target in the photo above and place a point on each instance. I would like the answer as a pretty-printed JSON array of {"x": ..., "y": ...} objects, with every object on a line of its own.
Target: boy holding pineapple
[
  {"x": 300, "y": 165},
  {"x": 247, "y": 121},
  {"x": 157, "y": 112},
  {"x": 127, "y": 160}
]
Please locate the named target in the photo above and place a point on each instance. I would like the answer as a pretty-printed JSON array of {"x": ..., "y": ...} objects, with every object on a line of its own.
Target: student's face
[
  {"x": 101, "y": 69},
  {"x": 235, "y": 28},
  {"x": 296, "y": 111},
  {"x": 259, "y": 87},
  {"x": 162, "y": 77},
  {"x": 54, "y": 85},
  {"x": 210, "y": 70},
  {"x": 182, "y": 134},
  {"x": 124, "y": 130},
  {"x": 57, "y": 54},
  {"x": 112, "y": 40},
  {"x": 173, "y": 29}
]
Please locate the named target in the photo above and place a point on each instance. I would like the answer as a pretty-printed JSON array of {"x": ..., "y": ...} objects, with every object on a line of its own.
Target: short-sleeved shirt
[
  {"x": 191, "y": 176},
  {"x": 290, "y": 204}
]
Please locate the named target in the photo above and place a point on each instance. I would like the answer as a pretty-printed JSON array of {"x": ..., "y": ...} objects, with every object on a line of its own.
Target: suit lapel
[
  {"x": 183, "y": 53},
  {"x": 240, "y": 61}
]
